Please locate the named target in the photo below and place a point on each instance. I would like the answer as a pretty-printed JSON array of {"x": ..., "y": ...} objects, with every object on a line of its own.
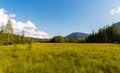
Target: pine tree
[
  {"x": 115, "y": 33},
  {"x": 23, "y": 37},
  {"x": 9, "y": 32},
  {"x": 8, "y": 28},
  {"x": 2, "y": 34}
]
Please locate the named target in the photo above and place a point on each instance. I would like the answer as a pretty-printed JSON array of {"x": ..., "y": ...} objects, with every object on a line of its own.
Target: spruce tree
[{"x": 9, "y": 33}]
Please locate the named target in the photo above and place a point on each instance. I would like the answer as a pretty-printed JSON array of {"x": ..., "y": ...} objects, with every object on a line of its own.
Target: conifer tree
[
  {"x": 8, "y": 28},
  {"x": 9, "y": 33}
]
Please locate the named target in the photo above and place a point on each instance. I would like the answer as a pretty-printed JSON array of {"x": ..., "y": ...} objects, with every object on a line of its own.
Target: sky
[{"x": 48, "y": 18}]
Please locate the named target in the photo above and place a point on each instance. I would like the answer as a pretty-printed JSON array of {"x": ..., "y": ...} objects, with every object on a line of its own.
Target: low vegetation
[{"x": 60, "y": 58}]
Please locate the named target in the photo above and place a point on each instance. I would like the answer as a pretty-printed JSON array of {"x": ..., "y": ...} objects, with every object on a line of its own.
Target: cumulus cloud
[
  {"x": 28, "y": 27},
  {"x": 12, "y": 15},
  {"x": 115, "y": 11},
  {"x": 3, "y": 17}
]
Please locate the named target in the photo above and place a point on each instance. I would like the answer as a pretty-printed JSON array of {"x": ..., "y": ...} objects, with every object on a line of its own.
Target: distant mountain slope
[
  {"x": 118, "y": 25},
  {"x": 76, "y": 35}
]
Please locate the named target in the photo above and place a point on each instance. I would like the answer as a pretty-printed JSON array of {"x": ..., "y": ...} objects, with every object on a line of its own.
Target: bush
[{"x": 58, "y": 39}]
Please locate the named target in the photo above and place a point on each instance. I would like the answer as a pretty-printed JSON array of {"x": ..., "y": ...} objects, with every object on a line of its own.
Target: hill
[
  {"x": 118, "y": 26},
  {"x": 76, "y": 35}
]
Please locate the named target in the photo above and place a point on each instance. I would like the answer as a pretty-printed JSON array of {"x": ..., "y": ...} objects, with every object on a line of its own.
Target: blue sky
[{"x": 61, "y": 17}]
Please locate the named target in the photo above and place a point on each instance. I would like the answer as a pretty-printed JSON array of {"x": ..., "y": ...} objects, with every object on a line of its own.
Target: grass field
[{"x": 60, "y": 58}]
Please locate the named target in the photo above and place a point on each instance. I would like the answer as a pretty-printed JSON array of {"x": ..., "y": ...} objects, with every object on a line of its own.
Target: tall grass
[{"x": 60, "y": 58}]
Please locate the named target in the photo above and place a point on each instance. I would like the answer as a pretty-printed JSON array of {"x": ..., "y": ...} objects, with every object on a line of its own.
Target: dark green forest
[{"x": 108, "y": 34}]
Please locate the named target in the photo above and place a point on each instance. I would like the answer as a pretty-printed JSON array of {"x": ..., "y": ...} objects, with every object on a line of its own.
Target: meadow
[{"x": 60, "y": 58}]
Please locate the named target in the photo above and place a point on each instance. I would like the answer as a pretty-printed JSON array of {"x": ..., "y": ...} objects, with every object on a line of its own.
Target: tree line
[
  {"x": 61, "y": 39},
  {"x": 7, "y": 36},
  {"x": 108, "y": 34}
]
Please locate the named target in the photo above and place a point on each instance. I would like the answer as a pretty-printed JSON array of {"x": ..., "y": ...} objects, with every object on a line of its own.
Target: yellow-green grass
[{"x": 60, "y": 58}]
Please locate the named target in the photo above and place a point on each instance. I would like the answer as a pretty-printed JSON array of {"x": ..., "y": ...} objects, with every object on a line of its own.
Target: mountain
[
  {"x": 76, "y": 35},
  {"x": 118, "y": 25}
]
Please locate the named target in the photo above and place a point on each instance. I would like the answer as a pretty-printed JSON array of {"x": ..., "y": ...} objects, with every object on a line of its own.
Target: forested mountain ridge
[
  {"x": 118, "y": 25},
  {"x": 76, "y": 35}
]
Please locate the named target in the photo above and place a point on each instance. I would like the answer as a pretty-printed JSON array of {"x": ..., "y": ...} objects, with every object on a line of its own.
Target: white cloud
[
  {"x": 29, "y": 26},
  {"x": 3, "y": 16},
  {"x": 115, "y": 11},
  {"x": 19, "y": 26},
  {"x": 12, "y": 15}
]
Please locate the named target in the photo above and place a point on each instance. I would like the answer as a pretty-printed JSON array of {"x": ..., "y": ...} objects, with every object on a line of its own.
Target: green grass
[{"x": 60, "y": 58}]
